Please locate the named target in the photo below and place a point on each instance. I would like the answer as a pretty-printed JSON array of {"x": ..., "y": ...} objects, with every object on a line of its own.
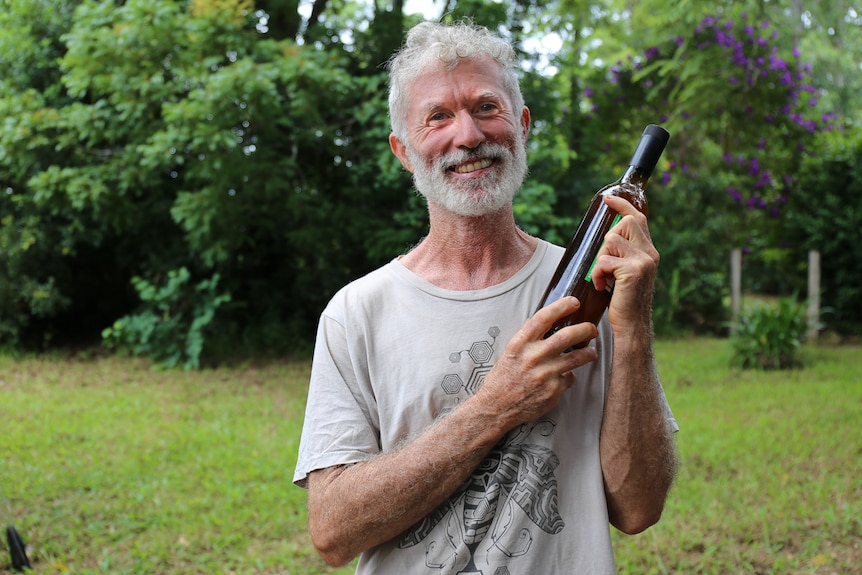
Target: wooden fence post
[
  {"x": 735, "y": 286},
  {"x": 813, "y": 294}
]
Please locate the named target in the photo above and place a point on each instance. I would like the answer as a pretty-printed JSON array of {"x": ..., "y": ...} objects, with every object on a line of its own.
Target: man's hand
[
  {"x": 629, "y": 257},
  {"x": 533, "y": 372}
]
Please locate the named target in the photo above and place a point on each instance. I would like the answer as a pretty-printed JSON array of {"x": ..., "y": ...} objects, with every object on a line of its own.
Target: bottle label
[{"x": 589, "y": 277}]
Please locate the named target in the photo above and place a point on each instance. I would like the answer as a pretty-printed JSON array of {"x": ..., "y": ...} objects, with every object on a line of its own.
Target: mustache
[{"x": 483, "y": 150}]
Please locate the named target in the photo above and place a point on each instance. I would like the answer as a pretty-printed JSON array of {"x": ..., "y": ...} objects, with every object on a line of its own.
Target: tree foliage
[{"x": 151, "y": 147}]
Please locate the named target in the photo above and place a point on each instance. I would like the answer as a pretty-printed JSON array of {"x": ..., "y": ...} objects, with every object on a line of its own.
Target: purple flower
[
  {"x": 651, "y": 53},
  {"x": 764, "y": 24},
  {"x": 679, "y": 40},
  {"x": 588, "y": 92},
  {"x": 755, "y": 167},
  {"x": 812, "y": 102},
  {"x": 796, "y": 52},
  {"x": 665, "y": 178},
  {"x": 749, "y": 30},
  {"x": 734, "y": 194},
  {"x": 763, "y": 181}
]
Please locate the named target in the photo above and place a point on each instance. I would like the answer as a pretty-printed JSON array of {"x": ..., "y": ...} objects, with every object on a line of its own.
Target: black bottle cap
[{"x": 650, "y": 147}]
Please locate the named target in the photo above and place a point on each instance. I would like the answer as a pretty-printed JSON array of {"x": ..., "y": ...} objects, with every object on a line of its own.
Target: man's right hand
[{"x": 531, "y": 375}]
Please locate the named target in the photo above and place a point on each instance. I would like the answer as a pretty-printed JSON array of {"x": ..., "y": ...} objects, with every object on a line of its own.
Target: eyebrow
[{"x": 487, "y": 95}]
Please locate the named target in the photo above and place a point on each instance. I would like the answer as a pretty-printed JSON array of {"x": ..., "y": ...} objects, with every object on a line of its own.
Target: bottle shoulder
[{"x": 631, "y": 191}]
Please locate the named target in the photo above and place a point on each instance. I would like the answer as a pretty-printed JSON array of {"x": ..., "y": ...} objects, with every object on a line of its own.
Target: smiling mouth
[{"x": 472, "y": 166}]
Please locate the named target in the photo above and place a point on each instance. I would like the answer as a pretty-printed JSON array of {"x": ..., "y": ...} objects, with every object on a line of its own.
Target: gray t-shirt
[{"x": 394, "y": 353}]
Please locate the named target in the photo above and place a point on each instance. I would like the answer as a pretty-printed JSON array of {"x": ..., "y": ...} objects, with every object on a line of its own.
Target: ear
[
  {"x": 525, "y": 122},
  {"x": 400, "y": 151}
]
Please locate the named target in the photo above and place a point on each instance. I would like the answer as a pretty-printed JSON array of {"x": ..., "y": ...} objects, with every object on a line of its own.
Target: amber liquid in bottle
[{"x": 573, "y": 275}]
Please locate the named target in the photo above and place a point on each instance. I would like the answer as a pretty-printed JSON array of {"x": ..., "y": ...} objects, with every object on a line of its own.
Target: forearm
[
  {"x": 637, "y": 445},
  {"x": 353, "y": 508}
]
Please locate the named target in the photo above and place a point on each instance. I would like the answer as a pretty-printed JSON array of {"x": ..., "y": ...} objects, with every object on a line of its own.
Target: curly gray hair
[{"x": 429, "y": 42}]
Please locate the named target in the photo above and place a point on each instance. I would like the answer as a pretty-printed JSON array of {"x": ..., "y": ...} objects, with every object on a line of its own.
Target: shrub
[
  {"x": 769, "y": 337},
  {"x": 170, "y": 327}
]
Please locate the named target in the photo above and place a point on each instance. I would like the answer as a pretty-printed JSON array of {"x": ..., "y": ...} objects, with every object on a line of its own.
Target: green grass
[
  {"x": 770, "y": 479},
  {"x": 111, "y": 467}
]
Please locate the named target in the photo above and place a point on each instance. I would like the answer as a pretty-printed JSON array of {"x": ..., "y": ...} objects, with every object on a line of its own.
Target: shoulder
[{"x": 365, "y": 292}]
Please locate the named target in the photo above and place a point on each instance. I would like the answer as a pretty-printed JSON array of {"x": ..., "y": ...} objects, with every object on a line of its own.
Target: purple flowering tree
[{"x": 743, "y": 111}]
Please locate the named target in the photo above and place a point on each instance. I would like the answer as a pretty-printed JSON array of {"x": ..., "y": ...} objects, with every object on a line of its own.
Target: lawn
[{"x": 110, "y": 466}]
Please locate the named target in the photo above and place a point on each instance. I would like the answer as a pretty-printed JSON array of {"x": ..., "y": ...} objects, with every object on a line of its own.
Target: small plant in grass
[{"x": 769, "y": 336}]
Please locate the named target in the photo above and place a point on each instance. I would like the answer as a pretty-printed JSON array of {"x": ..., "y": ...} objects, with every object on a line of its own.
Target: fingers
[
  {"x": 628, "y": 254},
  {"x": 544, "y": 320},
  {"x": 629, "y": 259}
]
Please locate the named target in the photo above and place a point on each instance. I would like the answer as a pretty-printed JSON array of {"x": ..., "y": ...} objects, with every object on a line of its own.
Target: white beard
[{"x": 478, "y": 196}]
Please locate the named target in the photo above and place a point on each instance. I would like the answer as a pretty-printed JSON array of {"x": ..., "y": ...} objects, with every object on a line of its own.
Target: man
[{"x": 443, "y": 433}]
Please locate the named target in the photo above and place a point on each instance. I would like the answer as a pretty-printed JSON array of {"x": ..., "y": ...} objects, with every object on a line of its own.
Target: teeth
[{"x": 473, "y": 166}]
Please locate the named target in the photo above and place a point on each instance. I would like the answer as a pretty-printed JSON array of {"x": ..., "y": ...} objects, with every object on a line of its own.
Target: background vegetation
[
  {"x": 191, "y": 178},
  {"x": 112, "y": 467}
]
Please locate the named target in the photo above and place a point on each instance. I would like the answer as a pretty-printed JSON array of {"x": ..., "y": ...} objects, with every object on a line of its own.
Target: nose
[{"x": 468, "y": 133}]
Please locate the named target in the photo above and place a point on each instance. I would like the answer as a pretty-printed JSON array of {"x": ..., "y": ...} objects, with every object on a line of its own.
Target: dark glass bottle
[{"x": 573, "y": 275}]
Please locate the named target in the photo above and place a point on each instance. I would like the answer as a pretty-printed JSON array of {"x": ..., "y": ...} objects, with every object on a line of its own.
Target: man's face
[{"x": 466, "y": 145}]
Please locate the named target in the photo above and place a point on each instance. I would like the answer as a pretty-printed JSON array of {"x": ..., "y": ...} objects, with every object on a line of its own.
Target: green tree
[
  {"x": 242, "y": 147},
  {"x": 828, "y": 218}
]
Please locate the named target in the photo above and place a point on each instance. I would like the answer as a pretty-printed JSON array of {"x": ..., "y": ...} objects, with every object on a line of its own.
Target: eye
[{"x": 488, "y": 107}]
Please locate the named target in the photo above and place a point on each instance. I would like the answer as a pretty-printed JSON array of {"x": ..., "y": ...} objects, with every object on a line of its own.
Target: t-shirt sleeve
[{"x": 340, "y": 424}]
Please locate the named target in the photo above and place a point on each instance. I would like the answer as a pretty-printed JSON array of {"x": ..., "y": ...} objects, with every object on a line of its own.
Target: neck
[{"x": 470, "y": 253}]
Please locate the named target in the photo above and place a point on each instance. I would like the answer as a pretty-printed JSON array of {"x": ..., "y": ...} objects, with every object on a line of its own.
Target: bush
[
  {"x": 170, "y": 327},
  {"x": 769, "y": 337}
]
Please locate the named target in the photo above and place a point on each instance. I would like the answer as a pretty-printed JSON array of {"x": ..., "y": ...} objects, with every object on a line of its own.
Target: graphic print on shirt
[{"x": 515, "y": 480}]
